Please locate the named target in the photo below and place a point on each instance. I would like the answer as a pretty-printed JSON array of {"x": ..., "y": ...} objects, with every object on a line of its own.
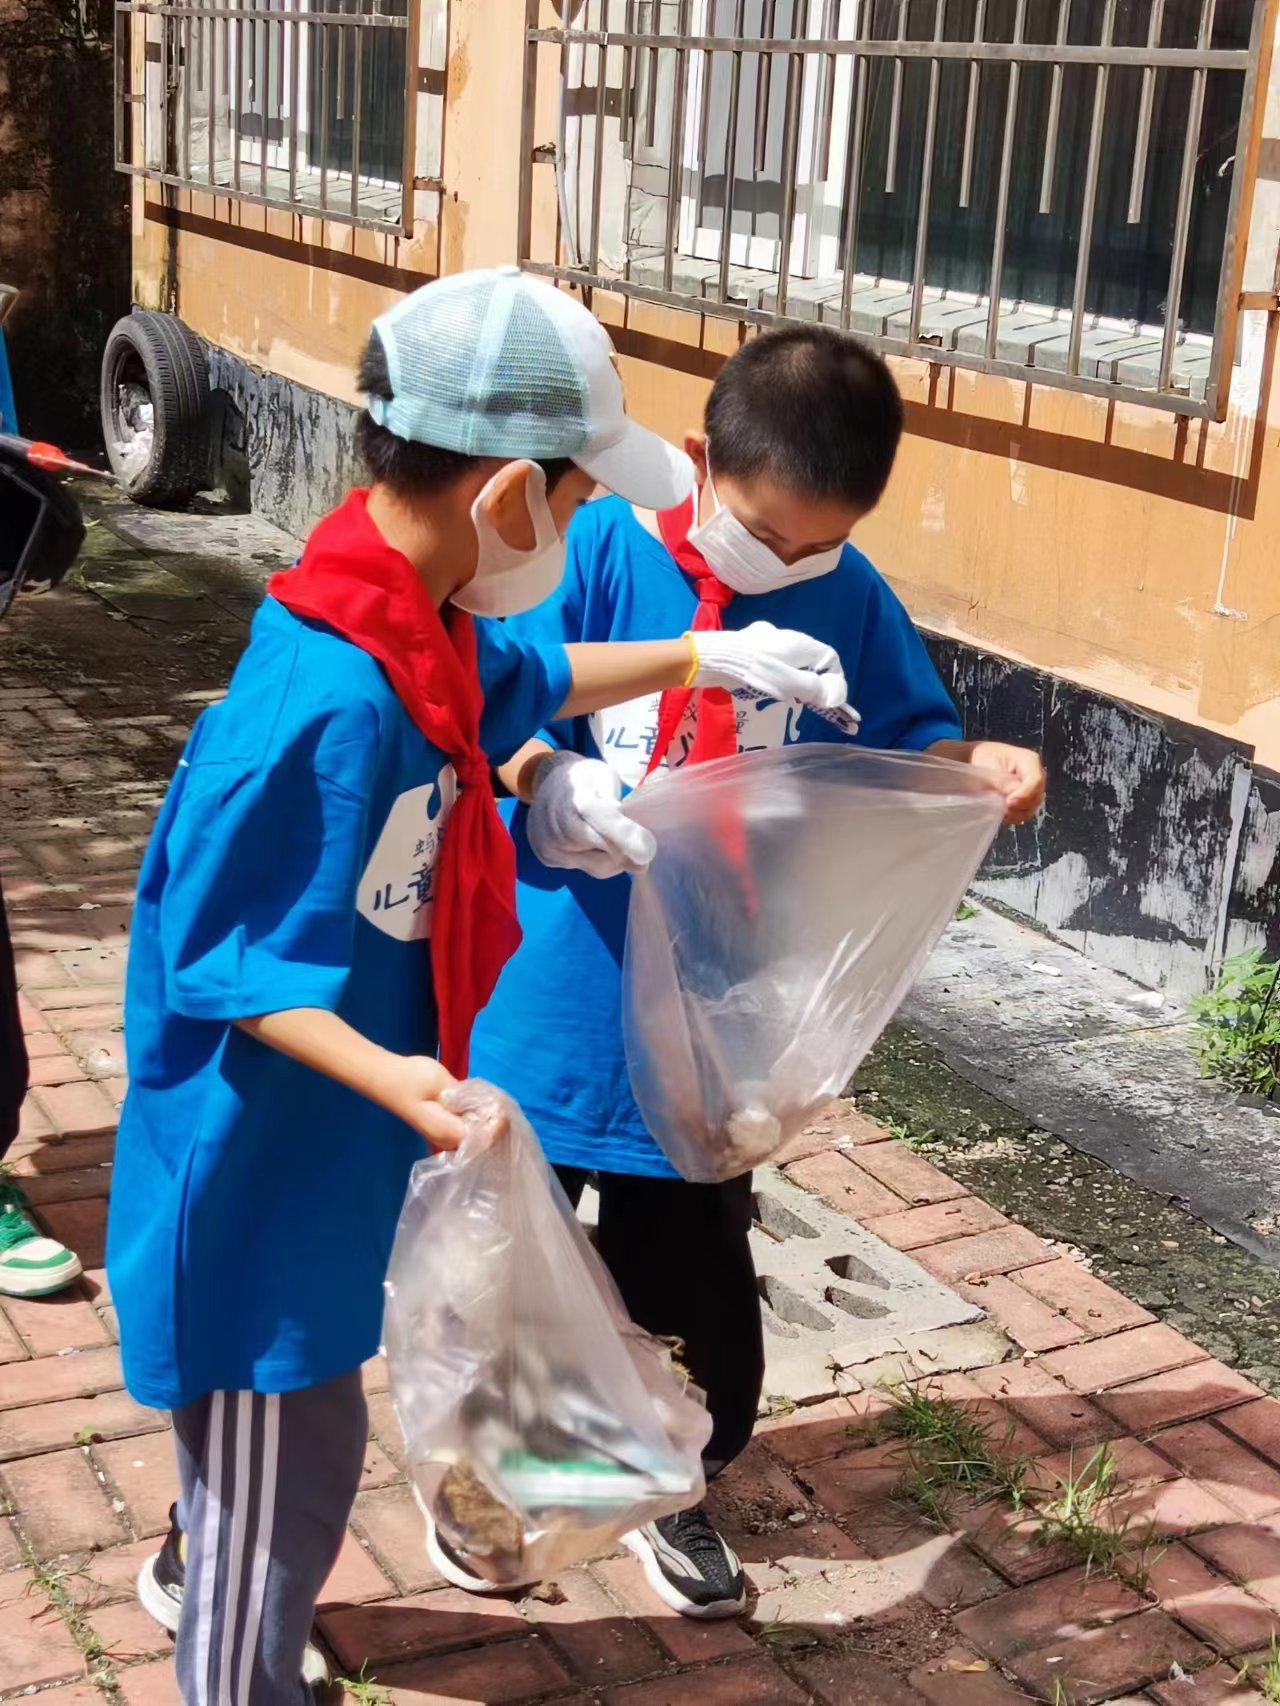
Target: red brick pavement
[{"x": 858, "y": 1601}]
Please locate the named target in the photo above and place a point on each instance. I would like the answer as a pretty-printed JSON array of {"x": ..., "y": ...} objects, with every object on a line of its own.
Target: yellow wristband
[{"x": 696, "y": 665}]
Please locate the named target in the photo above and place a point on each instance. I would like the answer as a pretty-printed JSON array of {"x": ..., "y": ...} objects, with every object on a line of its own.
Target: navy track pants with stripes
[{"x": 267, "y": 1485}]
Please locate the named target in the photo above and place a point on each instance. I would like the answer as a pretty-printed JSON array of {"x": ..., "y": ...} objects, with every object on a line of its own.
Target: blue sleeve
[
  {"x": 8, "y": 410},
  {"x": 525, "y": 680},
  {"x": 898, "y": 692},
  {"x": 257, "y": 908}
]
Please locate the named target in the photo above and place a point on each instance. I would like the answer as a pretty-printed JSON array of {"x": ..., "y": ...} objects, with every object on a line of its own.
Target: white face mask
[
  {"x": 508, "y": 580},
  {"x": 745, "y": 563}
]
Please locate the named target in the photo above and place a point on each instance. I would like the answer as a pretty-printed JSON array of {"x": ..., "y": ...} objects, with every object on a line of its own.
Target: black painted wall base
[
  {"x": 1159, "y": 852},
  {"x": 1160, "y": 849},
  {"x": 286, "y": 450}
]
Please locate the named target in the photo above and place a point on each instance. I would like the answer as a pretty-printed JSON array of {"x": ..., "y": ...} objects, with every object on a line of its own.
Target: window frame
[
  {"x": 179, "y": 73},
  {"x": 1157, "y": 367}
]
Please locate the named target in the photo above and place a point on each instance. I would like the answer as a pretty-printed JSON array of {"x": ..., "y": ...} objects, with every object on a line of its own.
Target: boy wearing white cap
[{"x": 327, "y": 900}]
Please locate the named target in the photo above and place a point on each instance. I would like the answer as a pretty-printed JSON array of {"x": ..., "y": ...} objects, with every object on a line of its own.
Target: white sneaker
[
  {"x": 449, "y": 1564},
  {"x": 162, "y": 1581},
  {"x": 31, "y": 1265}
]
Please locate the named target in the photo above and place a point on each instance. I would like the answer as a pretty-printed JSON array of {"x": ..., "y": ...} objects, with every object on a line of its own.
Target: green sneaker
[{"x": 31, "y": 1265}]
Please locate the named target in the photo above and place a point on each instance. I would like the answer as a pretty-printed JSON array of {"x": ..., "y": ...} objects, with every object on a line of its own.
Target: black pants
[
  {"x": 679, "y": 1255},
  {"x": 13, "y": 1050}
]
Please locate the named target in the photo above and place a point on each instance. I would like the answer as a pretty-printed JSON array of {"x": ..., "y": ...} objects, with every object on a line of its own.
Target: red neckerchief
[
  {"x": 350, "y": 579},
  {"x": 716, "y": 728},
  {"x": 716, "y": 732}
]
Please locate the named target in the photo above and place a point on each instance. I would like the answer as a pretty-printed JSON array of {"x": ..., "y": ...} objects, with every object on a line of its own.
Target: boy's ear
[
  {"x": 508, "y": 508},
  {"x": 695, "y": 446}
]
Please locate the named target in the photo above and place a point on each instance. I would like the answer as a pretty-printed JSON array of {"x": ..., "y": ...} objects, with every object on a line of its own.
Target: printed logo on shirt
[
  {"x": 397, "y": 889},
  {"x": 625, "y": 734}
]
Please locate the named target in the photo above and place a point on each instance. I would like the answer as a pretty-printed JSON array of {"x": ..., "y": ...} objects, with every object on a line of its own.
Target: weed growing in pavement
[
  {"x": 1238, "y": 1025},
  {"x": 1078, "y": 1516},
  {"x": 785, "y": 1637},
  {"x": 51, "y": 1579},
  {"x": 365, "y": 1688},
  {"x": 965, "y": 911},
  {"x": 948, "y": 1452},
  {"x": 932, "y": 1496},
  {"x": 1268, "y": 1678},
  {"x": 908, "y": 1136}
]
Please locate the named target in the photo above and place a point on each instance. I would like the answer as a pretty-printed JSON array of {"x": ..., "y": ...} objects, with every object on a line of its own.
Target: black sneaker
[
  {"x": 690, "y": 1566},
  {"x": 161, "y": 1583}
]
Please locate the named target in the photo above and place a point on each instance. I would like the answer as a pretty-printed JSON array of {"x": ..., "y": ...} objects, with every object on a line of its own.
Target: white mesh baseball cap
[{"x": 495, "y": 363}]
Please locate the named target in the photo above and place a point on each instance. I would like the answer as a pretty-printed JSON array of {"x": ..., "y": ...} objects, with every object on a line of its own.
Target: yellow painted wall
[
  {"x": 1108, "y": 543},
  {"x": 1111, "y": 544},
  {"x": 241, "y": 277}
]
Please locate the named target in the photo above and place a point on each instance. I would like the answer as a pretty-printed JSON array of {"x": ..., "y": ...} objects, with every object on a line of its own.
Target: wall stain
[
  {"x": 459, "y": 72},
  {"x": 1160, "y": 841}
]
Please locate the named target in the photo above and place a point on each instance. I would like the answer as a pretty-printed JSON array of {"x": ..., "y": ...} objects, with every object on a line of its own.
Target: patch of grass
[
  {"x": 1079, "y": 1516},
  {"x": 948, "y": 1452},
  {"x": 931, "y": 1494},
  {"x": 908, "y": 1136},
  {"x": 1237, "y": 1025},
  {"x": 365, "y": 1688},
  {"x": 921, "y": 1417},
  {"x": 1268, "y": 1678},
  {"x": 964, "y": 912},
  {"x": 786, "y": 1637},
  {"x": 1009, "y": 1477},
  {"x": 51, "y": 1579}
]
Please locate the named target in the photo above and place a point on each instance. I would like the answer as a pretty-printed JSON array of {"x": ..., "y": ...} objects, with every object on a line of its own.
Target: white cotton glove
[
  {"x": 577, "y": 824},
  {"x": 771, "y": 663}
]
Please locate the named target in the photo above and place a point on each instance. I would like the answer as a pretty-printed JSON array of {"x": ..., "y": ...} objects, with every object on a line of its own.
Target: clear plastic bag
[
  {"x": 541, "y": 1423},
  {"x": 795, "y": 895}
]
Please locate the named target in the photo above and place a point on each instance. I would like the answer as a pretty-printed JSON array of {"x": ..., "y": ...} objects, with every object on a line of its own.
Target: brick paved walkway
[{"x": 859, "y": 1600}]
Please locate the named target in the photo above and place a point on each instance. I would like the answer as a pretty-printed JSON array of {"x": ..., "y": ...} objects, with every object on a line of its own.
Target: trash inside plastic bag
[
  {"x": 541, "y": 1423},
  {"x": 795, "y": 896}
]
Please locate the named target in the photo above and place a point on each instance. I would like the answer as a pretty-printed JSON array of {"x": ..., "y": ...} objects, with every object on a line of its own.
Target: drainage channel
[{"x": 831, "y": 1295}]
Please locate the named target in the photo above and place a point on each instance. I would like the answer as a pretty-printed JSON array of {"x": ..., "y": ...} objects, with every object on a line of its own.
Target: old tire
[{"x": 155, "y": 408}]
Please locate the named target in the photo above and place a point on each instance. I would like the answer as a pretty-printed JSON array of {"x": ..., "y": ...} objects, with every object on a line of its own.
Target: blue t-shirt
[
  {"x": 552, "y": 1033},
  {"x": 254, "y": 1200}
]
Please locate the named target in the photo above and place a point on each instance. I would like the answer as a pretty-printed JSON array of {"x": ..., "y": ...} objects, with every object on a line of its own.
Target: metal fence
[
  {"x": 308, "y": 107},
  {"x": 1052, "y": 189}
]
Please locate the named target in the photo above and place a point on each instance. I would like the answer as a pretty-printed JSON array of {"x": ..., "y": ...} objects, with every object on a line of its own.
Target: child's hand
[
  {"x": 770, "y": 663},
  {"x": 576, "y": 821},
  {"x": 1019, "y": 773},
  {"x": 411, "y": 1089}
]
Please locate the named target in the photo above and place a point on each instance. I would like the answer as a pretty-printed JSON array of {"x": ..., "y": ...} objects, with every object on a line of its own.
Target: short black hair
[
  {"x": 810, "y": 407},
  {"x": 410, "y": 469}
]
